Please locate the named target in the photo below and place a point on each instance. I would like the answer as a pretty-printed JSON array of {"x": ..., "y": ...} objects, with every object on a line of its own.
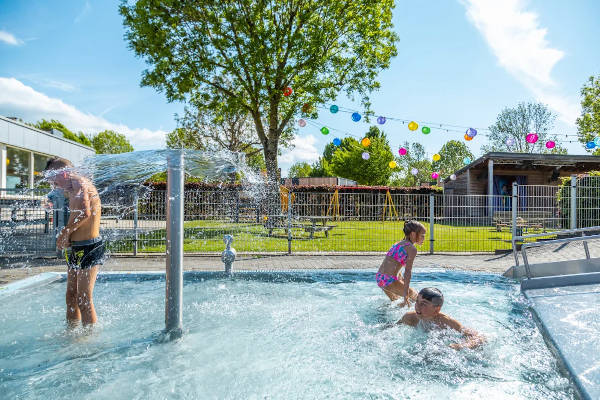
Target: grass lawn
[{"x": 346, "y": 236}]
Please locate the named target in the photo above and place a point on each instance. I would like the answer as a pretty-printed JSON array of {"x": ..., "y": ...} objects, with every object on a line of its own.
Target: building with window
[{"x": 24, "y": 151}]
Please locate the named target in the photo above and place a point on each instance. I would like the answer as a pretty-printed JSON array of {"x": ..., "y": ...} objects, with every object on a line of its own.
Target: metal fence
[
  {"x": 28, "y": 222},
  {"x": 309, "y": 222}
]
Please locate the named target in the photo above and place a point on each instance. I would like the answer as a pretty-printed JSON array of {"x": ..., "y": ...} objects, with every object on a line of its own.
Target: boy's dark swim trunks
[{"x": 86, "y": 253}]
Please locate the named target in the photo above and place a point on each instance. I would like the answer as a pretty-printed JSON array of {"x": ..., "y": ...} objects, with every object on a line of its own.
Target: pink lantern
[
  {"x": 402, "y": 151},
  {"x": 531, "y": 137},
  {"x": 301, "y": 123},
  {"x": 435, "y": 175},
  {"x": 550, "y": 144}
]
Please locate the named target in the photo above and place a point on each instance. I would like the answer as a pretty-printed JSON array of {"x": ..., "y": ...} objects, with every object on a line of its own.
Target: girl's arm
[{"x": 411, "y": 254}]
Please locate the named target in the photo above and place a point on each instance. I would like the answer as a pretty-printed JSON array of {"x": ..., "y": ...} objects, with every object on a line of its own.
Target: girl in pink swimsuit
[{"x": 401, "y": 254}]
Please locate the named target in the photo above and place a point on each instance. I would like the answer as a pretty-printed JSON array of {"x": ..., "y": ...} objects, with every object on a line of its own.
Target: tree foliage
[
  {"x": 347, "y": 161},
  {"x": 111, "y": 142},
  {"x": 300, "y": 170},
  {"x": 414, "y": 159},
  {"x": 588, "y": 124},
  {"x": 515, "y": 123},
  {"x": 54, "y": 124},
  {"x": 240, "y": 56},
  {"x": 452, "y": 158}
]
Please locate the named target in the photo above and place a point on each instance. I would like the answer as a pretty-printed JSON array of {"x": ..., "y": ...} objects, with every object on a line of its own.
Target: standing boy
[{"x": 82, "y": 235}]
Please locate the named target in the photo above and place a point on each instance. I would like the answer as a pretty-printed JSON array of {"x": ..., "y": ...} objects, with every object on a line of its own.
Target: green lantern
[
  {"x": 324, "y": 130},
  {"x": 426, "y": 130}
]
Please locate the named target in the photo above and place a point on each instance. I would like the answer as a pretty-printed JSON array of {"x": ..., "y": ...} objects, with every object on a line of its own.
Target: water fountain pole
[{"x": 174, "y": 272}]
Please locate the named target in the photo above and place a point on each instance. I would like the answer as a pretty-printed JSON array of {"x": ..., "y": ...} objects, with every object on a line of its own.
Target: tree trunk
[{"x": 273, "y": 201}]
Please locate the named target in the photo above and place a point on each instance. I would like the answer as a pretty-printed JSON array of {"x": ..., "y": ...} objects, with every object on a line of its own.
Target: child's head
[
  {"x": 56, "y": 171},
  {"x": 429, "y": 302},
  {"x": 414, "y": 231}
]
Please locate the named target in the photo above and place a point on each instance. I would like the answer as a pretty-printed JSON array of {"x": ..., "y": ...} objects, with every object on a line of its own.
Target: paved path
[{"x": 477, "y": 262}]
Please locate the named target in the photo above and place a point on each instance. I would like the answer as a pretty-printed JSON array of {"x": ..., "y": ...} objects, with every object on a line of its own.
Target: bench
[{"x": 313, "y": 229}]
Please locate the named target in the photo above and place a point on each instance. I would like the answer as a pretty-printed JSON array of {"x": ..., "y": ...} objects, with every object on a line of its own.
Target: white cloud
[
  {"x": 9, "y": 38},
  {"x": 519, "y": 43},
  {"x": 20, "y": 100},
  {"x": 304, "y": 151},
  {"x": 87, "y": 7}
]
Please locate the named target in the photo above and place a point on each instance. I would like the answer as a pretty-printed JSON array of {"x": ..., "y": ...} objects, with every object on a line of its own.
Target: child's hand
[{"x": 406, "y": 302}]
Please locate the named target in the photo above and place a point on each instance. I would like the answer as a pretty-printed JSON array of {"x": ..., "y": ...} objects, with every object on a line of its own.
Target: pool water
[{"x": 296, "y": 335}]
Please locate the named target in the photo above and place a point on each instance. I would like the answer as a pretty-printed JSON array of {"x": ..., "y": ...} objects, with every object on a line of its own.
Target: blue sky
[{"x": 459, "y": 62}]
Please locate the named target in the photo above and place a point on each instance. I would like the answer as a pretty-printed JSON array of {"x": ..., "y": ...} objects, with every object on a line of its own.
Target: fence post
[
  {"x": 431, "y": 221},
  {"x": 135, "y": 224},
  {"x": 289, "y": 222},
  {"x": 515, "y": 207},
  {"x": 573, "y": 202}
]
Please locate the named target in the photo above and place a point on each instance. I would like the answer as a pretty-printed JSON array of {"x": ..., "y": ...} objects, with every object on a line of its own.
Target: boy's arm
[
  {"x": 80, "y": 211},
  {"x": 472, "y": 338},
  {"x": 410, "y": 318}
]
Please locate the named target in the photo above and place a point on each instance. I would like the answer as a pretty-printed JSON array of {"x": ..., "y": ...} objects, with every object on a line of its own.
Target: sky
[{"x": 459, "y": 62}]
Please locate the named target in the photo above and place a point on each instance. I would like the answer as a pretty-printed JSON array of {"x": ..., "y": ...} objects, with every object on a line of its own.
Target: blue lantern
[
  {"x": 337, "y": 141},
  {"x": 590, "y": 144},
  {"x": 355, "y": 117},
  {"x": 597, "y": 141},
  {"x": 471, "y": 132},
  {"x": 466, "y": 160},
  {"x": 334, "y": 109},
  {"x": 381, "y": 120}
]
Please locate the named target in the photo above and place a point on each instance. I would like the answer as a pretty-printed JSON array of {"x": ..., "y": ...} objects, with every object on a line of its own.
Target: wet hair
[
  {"x": 57, "y": 163},
  {"x": 433, "y": 295},
  {"x": 413, "y": 226}
]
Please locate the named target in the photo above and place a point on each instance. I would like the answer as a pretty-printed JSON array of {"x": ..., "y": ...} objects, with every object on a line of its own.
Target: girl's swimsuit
[{"x": 398, "y": 253}]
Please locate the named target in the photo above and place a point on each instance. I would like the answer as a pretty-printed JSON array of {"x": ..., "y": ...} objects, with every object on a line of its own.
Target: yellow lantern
[
  {"x": 392, "y": 164},
  {"x": 366, "y": 142},
  {"x": 7, "y": 161},
  {"x": 413, "y": 126},
  {"x": 436, "y": 157}
]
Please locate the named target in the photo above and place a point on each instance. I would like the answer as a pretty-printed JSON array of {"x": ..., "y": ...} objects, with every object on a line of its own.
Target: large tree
[
  {"x": 242, "y": 55},
  {"x": 348, "y": 162},
  {"x": 452, "y": 158},
  {"x": 111, "y": 142},
  {"x": 220, "y": 131},
  {"x": 588, "y": 124},
  {"x": 46, "y": 125},
  {"x": 513, "y": 124}
]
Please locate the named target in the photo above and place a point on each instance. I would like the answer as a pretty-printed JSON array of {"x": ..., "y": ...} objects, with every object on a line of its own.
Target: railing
[
  {"x": 579, "y": 235},
  {"x": 307, "y": 222}
]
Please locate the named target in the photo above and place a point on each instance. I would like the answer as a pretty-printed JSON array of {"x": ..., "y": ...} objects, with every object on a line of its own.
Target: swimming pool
[{"x": 309, "y": 334}]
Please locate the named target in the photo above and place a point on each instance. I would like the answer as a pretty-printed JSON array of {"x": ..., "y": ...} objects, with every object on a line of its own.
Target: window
[
  {"x": 17, "y": 168},
  {"x": 39, "y": 163}
]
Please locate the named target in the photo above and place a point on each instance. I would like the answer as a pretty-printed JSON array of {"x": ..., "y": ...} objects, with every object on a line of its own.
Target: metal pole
[
  {"x": 431, "y": 221},
  {"x": 174, "y": 270},
  {"x": 573, "y": 202},
  {"x": 515, "y": 205},
  {"x": 289, "y": 222},
  {"x": 135, "y": 224},
  {"x": 491, "y": 190}
]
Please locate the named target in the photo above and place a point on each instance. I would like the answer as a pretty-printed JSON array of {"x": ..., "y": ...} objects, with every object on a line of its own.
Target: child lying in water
[{"x": 428, "y": 315}]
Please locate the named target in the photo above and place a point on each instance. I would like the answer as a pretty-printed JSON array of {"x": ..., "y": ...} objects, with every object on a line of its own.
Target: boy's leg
[
  {"x": 73, "y": 314},
  {"x": 86, "y": 279}
]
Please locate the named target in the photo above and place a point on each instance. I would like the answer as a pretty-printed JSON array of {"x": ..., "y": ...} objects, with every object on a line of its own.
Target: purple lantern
[{"x": 381, "y": 120}]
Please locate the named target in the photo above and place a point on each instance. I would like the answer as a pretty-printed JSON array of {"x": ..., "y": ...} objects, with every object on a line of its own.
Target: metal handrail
[
  {"x": 584, "y": 239},
  {"x": 535, "y": 235}
]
